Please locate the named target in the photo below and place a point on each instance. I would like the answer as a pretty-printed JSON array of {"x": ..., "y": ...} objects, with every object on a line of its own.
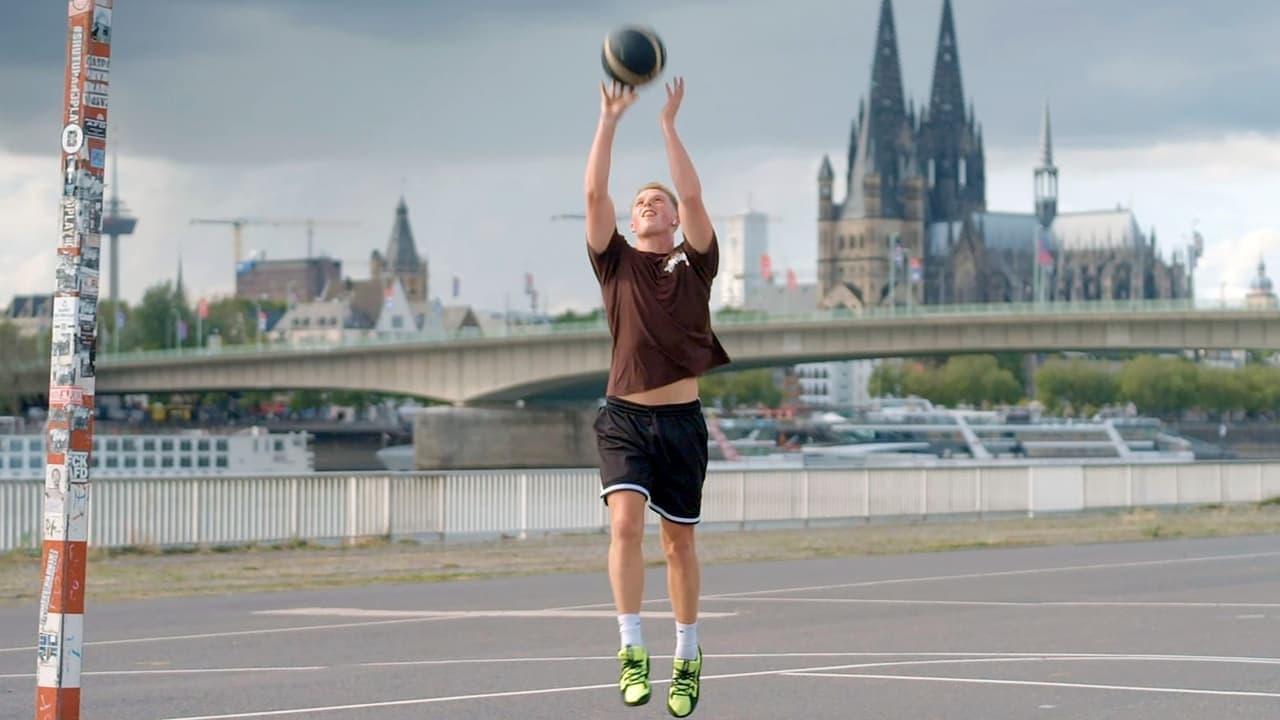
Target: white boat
[
  {"x": 948, "y": 437},
  {"x": 253, "y": 451}
]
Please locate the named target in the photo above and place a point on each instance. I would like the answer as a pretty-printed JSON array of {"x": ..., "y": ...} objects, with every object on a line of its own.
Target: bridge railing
[
  {"x": 720, "y": 319},
  {"x": 169, "y": 512}
]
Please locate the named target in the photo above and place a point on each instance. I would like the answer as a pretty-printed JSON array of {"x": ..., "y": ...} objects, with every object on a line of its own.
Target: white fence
[{"x": 328, "y": 507}]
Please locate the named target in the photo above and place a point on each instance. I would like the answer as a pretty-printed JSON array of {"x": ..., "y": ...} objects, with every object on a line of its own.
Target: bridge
[{"x": 528, "y": 362}]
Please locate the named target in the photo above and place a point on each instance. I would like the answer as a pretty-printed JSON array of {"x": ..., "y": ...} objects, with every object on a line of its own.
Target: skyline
[{"x": 1184, "y": 139}]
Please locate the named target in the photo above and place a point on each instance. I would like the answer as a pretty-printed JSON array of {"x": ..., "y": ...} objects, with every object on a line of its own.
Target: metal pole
[
  {"x": 893, "y": 270},
  {"x": 69, "y": 434}
]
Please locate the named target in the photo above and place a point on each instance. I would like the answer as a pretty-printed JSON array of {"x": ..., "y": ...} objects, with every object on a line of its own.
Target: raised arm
[
  {"x": 693, "y": 214},
  {"x": 601, "y": 217}
]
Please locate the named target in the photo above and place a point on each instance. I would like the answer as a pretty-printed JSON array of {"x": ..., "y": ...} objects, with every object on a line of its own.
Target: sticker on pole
[{"x": 72, "y": 139}]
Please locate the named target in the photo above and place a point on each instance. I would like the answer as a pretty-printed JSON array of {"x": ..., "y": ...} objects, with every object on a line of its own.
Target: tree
[
  {"x": 741, "y": 388},
  {"x": 1222, "y": 390},
  {"x": 976, "y": 380},
  {"x": 1077, "y": 382},
  {"x": 16, "y": 352},
  {"x": 153, "y": 324},
  {"x": 887, "y": 380},
  {"x": 1160, "y": 386},
  {"x": 1262, "y": 389},
  {"x": 570, "y": 316}
]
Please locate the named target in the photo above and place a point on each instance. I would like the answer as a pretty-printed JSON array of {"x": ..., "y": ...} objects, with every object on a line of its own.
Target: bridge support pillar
[{"x": 473, "y": 438}]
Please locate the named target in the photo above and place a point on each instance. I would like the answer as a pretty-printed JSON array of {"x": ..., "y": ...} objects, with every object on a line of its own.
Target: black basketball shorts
[{"x": 659, "y": 451}]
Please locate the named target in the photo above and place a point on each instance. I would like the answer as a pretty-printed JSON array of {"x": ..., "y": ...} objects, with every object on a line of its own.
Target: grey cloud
[{"x": 402, "y": 83}]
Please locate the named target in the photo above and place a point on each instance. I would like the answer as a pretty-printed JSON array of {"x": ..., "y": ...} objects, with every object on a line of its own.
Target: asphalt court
[{"x": 1174, "y": 628}]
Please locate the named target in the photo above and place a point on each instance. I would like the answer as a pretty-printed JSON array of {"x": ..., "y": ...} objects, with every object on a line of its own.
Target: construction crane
[{"x": 238, "y": 224}]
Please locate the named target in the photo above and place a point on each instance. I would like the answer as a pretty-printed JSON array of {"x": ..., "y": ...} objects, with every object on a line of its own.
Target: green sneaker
[
  {"x": 682, "y": 698},
  {"x": 634, "y": 681}
]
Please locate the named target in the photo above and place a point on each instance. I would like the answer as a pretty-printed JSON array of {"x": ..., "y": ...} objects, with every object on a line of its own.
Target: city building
[
  {"x": 391, "y": 303},
  {"x": 914, "y": 227},
  {"x": 744, "y": 249},
  {"x": 1261, "y": 294},
  {"x": 291, "y": 281},
  {"x": 32, "y": 315},
  {"x": 839, "y": 386},
  {"x": 401, "y": 260}
]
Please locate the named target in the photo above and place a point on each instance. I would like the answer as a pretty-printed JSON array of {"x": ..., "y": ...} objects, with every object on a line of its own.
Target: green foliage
[
  {"x": 978, "y": 380},
  {"x": 571, "y": 316},
  {"x": 887, "y": 380},
  {"x": 15, "y": 352},
  {"x": 735, "y": 314},
  {"x": 1262, "y": 389},
  {"x": 1161, "y": 386},
  {"x": 152, "y": 324},
  {"x": 743, "y": 388},
  {"x": 1221, "y": 390},
  {"x": 307, "y": 400},
  {"x": 1078, "y": 383}
]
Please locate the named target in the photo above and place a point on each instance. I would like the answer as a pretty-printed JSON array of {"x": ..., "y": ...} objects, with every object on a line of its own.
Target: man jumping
[{"x": 651, "y": 432}]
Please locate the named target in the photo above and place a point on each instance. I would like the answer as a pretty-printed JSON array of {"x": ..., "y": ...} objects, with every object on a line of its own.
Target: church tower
[
  {"x": 401, "y": 259},
  {"x": 884, "y": 203},
  {"x": 1046, "y": 176},
  {"x": 950, "y": 141}
]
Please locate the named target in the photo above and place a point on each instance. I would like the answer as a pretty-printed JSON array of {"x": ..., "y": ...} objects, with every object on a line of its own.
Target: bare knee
[
  {"x": 626, "y": 518},
  {"x": 677, "y": 541}
]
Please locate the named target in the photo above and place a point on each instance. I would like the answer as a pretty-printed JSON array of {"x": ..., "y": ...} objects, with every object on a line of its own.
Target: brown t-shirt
[{"x": 658, "y": 306}]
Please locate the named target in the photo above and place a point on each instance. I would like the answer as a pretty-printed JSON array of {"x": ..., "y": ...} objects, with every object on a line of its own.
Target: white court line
[
  {"x": 180, "y": 671},
  {"x": 998, "y": 573},
  {"x": 1014, "y": 603},
  {"x": 865, "y": 583},
  {"x": 963, "y": 576},
  {"x": 1039, "y": 683},
  {"x": 816, "y": 671},
  {"x": 235, "y": 633},
  {"x": 468, "y": 614}
]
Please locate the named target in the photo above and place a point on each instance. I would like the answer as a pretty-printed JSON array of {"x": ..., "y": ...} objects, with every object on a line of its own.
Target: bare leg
[
  {"x": 626, "y": 554},
  {"x": 684, "y": 575}
]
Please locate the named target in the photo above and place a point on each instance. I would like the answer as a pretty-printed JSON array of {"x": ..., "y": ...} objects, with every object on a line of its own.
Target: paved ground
[{"x": 1182, "y": 628}]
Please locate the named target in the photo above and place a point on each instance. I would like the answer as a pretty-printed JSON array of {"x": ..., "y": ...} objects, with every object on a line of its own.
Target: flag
[
  {"x": 791, "y": 279},
  {"x": 457, "y": 283},
  {"x": 182, "y": 330},
  {"x": 262, "y": 320},
  {"x": 528, "y": 283},
  {"x": 766, "y": 268},
  {"x": 119, "y": 319},
  {"x": 1043, "y": 256},
  {"x": 916, "y": 268},
  {"x": 203, "y": 309},
  {"x": 897, "y": 253}
]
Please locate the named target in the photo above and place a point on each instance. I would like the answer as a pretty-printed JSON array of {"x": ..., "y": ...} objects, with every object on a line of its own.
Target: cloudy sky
[{"x": 481, "y": 113}]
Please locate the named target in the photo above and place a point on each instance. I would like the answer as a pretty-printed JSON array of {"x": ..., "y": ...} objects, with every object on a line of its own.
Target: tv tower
[{"x": 115, "y": 224}]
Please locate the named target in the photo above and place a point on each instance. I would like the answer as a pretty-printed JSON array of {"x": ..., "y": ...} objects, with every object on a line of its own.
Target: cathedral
[{"x": 913, "y": 227}]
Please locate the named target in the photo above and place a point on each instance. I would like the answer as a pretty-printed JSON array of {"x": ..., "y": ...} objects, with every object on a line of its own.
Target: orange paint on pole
[{"x": 69, "y": 431}]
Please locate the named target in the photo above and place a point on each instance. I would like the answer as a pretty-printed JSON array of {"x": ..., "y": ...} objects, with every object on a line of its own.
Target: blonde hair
[{"x": 675, "y": 203}]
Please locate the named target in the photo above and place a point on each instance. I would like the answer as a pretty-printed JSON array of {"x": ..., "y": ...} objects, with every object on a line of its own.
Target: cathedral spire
[
  {"x": 1046, "y": 141},
  {"x": 1046, "y": 176},
  {"x": 946, "y": 98},
  {"x": 878, "y": 150}
]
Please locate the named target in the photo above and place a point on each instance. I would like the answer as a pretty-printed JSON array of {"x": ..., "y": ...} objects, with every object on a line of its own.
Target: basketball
[{"x": 633, "y": 55}]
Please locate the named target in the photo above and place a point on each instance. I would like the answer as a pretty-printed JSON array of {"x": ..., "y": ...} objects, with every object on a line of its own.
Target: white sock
[
  {"x": 687, "y": 641},
  {"x": 629, "y": 630}
]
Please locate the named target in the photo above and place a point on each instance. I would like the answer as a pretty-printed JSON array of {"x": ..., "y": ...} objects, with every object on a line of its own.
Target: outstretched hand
[
  {"x": 675, "y": 93},
  {"x": 614, "y": 101}
]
